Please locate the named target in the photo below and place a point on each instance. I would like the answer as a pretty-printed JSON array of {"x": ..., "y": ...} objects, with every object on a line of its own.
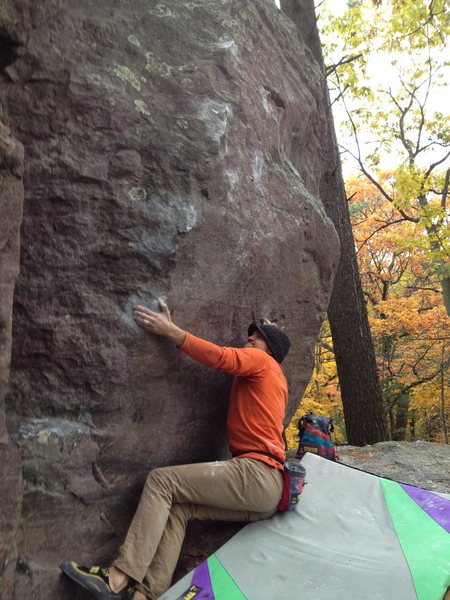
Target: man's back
[{"x": 258, "y": 397}]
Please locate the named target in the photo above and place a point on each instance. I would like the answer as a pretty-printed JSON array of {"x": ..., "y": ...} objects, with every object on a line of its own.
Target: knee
[
  {"x": 156, "y": 479},
  {"x": 181, "y": 512}
]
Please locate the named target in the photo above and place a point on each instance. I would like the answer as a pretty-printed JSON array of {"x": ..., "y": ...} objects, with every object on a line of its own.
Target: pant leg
[
  {"x": 159, "y": 575},
  {"x": 244, "y": 485}
]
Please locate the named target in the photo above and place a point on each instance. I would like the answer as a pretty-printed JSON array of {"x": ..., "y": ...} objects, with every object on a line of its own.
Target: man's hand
[
  {"x": 159, "y": 323},
  {"x": 267, "y": 322}
]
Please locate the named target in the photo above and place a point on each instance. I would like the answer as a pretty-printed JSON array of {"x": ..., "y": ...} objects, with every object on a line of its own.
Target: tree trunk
[
  {"x": 412, "y": 429},
  {"x": 442, "y": 390},
  {"x": 401, "y": 418},
  {"x": 446, "y": 293},
  {"x": 391, "y": 424},
  {"x": 353, "y": 347},
  {"x": 352, "y": 341}
]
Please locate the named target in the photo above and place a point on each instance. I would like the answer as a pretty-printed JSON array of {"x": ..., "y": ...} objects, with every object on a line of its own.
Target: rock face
[
  {"x": 173, "y": 150},
  {"x": 11, "y": 201}
]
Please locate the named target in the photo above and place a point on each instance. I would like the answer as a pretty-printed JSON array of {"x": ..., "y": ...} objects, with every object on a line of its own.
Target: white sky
[{"x": 382, "y": 74}]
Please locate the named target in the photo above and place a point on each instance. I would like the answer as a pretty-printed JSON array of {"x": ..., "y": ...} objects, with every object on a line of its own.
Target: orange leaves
[
  {"x": 411, "y": 315},
  {"x": 409, "y": 325}
]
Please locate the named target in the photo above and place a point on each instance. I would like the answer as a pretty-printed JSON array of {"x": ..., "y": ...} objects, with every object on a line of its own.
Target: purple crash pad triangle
[
  {"x": 202, "y": 579},
  {"x": 436, "y": 506}
]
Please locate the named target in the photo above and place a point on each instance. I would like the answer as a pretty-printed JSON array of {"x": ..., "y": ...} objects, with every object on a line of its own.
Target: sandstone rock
[
  {"x": 421, "y": 464},
  {"x": 173, "y": 150},
  {"x": 11, "y": 495},
  {"x": 11, "y": 200}
]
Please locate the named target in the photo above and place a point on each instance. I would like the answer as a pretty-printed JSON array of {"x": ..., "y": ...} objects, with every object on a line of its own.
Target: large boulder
[
  {"x": 173, "y": 150},
  {"x": 11, "y": 202}
]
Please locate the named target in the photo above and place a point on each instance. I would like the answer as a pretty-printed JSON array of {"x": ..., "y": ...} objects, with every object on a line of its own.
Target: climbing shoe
[{"x": 95, "y": 580}]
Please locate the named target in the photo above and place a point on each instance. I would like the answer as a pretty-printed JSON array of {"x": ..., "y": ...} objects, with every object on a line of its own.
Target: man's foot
[{"x": 96, "y": 581}]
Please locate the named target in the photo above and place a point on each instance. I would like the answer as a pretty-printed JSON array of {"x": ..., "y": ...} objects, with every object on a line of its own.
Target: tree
[
  {"x": 395, "y": 31},
  {"x": 353, "y": 347},
  {"x": 397, "y": 117},
  {"x": 409, "y": 326},
  {"x": 408, "y": 322}
]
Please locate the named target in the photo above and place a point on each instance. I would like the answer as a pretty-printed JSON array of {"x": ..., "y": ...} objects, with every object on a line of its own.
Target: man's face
[{"x": 256, "y": 340}]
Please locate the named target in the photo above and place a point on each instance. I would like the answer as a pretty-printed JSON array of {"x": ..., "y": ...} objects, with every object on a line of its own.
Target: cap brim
[{"x": 255, "y": 327}]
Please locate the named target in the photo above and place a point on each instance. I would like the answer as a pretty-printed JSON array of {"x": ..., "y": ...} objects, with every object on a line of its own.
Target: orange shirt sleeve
[{"x": 236, "y": 361}]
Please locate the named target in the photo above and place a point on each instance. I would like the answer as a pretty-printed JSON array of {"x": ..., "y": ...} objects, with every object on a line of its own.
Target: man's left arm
[{"x": 236, "y": 361}]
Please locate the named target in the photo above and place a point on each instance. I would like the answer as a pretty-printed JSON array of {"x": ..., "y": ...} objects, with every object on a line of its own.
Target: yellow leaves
[
  {"x": 426, "y": 396},
  {"x": 399, "y": 260},
  {"x": 322, "y": 395},
  {"x": 392, "y": 92},
  {"x": 407, "y": 186},
  {"x": 401, "y": 227},
  {"x": 430, "y": 405},
  {"x": 388, "y": 243},
  {"x": 409, "y": 316}
]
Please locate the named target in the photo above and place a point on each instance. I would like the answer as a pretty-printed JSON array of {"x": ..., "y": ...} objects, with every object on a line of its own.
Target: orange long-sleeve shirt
[{"x": 258, "y": 397}]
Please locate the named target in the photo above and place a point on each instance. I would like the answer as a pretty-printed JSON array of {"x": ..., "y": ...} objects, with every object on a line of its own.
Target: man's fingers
[
  {"x": 142, "y": 315},
  {"x": 159, "y": 323},
  {"x": 139, "y": 312},
  {"x": 165, "y": 309},
  {"x": 150, "y": 320},
  {"x": 141, "y": 318},
  {"x": 142, "y": 310}
]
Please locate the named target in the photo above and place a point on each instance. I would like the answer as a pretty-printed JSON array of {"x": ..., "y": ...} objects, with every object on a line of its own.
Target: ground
[{"x": 421, "y": 464}]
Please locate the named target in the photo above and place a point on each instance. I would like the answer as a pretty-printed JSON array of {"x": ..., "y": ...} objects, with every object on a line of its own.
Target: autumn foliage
[
  {"x": 387, "y": 70},
  {"x": 409, "y": 324}
]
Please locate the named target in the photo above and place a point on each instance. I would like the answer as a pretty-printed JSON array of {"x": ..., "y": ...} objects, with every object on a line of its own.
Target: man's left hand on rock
[{"x": 159, "y": 323}]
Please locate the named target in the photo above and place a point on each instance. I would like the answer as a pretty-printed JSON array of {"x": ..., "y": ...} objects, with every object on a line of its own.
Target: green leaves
[{"x": 389, "y": 101}]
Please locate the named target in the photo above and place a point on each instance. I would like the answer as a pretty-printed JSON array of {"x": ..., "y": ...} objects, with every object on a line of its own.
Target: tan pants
[{"x": 240, "y": 489}]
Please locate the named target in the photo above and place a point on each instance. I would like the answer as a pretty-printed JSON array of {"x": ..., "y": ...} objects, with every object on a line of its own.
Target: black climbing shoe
[{"x": 95, "y": 580}]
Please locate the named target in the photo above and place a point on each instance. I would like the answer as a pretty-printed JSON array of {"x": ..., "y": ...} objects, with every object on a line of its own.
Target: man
[{"x": 245, "y": 488}]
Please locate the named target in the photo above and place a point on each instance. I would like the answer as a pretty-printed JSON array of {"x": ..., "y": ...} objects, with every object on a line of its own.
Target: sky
[{"x": 382, "y": 74}]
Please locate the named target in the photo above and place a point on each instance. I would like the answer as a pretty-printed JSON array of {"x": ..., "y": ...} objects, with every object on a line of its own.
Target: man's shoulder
[
  {"x": 256, "y": 352},
  {"x": 261, "y": 357}
]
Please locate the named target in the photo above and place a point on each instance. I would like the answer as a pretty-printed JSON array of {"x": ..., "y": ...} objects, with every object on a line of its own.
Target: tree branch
[
  {"x": 380, "y": 229},
  {"x": 424, "y": 289},
  {"x": 445, "y": 189},
  {"x": 345, "y": 60},
  {"x": 414, "y": 384}
]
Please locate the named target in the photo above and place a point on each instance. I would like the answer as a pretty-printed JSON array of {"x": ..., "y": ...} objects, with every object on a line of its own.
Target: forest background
[{"x": 387, "y": 73}]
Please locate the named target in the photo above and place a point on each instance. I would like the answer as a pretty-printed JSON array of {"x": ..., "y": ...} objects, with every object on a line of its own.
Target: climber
[{"x": 245, "y": 488}]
